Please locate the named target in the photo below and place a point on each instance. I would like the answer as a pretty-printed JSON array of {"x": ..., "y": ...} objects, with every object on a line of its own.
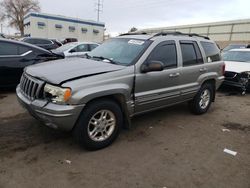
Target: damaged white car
[{"x": 238, "y": 69}]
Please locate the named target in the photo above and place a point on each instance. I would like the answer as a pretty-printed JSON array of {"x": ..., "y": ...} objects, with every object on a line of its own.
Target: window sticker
[{"x": 136, "y": 42}]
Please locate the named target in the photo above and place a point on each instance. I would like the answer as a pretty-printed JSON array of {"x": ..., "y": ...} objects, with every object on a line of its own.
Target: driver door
[{"x": 154, "y": 90}]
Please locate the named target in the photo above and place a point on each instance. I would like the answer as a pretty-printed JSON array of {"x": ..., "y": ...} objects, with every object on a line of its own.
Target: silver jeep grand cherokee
[{"x": 94, "y": 97}]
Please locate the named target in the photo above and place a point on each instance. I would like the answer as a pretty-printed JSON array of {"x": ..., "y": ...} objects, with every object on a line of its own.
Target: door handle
[
  {"x": 203, "y": 69},
  {"x": 174, "y": 75}
]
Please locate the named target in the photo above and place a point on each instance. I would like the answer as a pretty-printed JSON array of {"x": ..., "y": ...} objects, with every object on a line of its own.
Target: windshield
[
  {"x": 65, "y": 47},
  {"x": 233, "y": 46},
  {"x": 121, "y": 51},
  {"x": 242, "y": 56}
]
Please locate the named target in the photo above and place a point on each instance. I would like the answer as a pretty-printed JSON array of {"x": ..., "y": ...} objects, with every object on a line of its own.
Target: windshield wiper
[{"x": 107, "y": 59}]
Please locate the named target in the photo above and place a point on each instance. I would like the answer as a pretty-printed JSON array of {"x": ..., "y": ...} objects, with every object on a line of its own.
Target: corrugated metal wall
[{"x": 224, "y": 33}]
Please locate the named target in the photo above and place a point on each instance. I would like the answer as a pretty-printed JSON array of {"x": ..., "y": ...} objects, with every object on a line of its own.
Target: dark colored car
[
  {"x": 68, "y": 40},
  {"x": 48, "y": 44},
  {"x": 15, "y": 56}
]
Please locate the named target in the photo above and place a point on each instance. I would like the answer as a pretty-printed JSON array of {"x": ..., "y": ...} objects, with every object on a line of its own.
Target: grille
[
  {"x": 31, "y": 87},
  {"x": 230, "y": 74}
]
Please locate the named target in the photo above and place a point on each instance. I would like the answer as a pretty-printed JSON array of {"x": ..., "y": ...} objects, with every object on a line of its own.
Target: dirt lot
[{"x": 169, "y": 148}]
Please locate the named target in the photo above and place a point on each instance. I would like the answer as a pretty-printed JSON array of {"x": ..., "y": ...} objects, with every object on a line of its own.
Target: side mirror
[
  {"x": 72, "y": 50},
  {"x": 152, "y": 66}
]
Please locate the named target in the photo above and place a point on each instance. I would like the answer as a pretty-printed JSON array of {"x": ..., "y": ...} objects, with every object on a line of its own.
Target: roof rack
[
  {"x": 178, "y": 33},
  {"x": 134, "y": 33}
]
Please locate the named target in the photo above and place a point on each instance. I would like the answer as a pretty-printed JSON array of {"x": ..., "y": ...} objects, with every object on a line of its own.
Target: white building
[
  {"x": 60, "y": 27},
  {"x": 235, "y": 31}
]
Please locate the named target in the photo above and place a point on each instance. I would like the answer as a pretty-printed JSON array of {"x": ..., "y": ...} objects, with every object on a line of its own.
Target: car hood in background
[
  {"x": 59, "y": 71},
  {"x": 237, "y": 67}
]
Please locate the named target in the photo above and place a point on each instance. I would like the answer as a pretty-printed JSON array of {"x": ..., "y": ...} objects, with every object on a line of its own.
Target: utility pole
[
  {"x": 99, "y": 9},
  {"x": 1, "y": 28}
]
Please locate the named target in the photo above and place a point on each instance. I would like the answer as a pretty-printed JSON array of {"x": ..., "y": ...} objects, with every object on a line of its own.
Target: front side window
[
  {"x": 165, "y": 53},
  {"x": 212, "y": 51},
  {"x": 123, "y": 51},
  {"x": 191, "y": 54}
]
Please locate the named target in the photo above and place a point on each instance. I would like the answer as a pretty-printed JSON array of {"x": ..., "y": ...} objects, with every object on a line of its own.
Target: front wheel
[
  {"x": 203, "y": 99},
  {"x": 99, "y": 124}
]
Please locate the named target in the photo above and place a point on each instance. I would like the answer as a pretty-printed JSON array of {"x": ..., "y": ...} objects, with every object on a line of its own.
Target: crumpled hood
[
  {"x": 237, "y": 67},
  {"x": 63, "y": 70}
]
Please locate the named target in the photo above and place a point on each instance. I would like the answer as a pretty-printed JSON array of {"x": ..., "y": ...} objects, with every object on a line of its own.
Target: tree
[
  {"x": 14, "y": 11},
  {"x": 133, "y": 29}
]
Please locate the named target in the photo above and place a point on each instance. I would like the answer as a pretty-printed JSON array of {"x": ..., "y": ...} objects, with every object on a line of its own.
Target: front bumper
[{"x": 56, "y": 116}]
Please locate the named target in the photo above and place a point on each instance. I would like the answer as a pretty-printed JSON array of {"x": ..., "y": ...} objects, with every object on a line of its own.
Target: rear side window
[
  {"x": 82, "y": 48},
  {"x": 212, "y": 51},
  {"x": 191, "y": 54},
  {"x": 166, "y": 53},
  {"x": 12, "y": 49},
  {"x": 92, "y": 46}
]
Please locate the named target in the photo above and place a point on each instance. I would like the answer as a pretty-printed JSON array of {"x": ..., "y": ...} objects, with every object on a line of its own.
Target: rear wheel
[
  {"x": 203, "y": 99},
  {"x": 99, "y": 124}
]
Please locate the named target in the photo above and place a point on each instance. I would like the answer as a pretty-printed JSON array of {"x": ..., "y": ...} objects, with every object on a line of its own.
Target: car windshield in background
[
  {"x": 242, "y": 56},
  {"x": 233, "y": 46},
  {"x": 119, "y": 50},
  {"x": 64, "y": 48}
]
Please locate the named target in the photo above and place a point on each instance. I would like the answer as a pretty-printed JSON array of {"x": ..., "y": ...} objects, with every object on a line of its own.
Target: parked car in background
[
  {"x": 57, "y": 42},
  {"x": 15, "y": 56},
  {"x": 94, "y": 97},
  {"x": 68, "y": 40},
  {"x": 237, "y": 68},
  {"x": 233, "y": 46},
  {"x": 47, "y": 44},
  {"x": 75, "y": 49}
]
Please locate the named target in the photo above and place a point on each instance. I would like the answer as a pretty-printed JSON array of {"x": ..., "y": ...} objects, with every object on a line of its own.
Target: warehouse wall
[
  {"x": 49, "y": 30},
  {"x": 224, "y": 33}
]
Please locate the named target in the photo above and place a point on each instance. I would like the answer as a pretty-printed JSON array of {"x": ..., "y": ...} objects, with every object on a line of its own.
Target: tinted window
[
  {"x": 191, "y": 54},
  {"x": 166, "y": 53},
  {"x": 23, "y": 49},
  {"x": 212, "y": 51},
  {"x": 12, "y": 49},
  {"x": 92, "y": 46},
  {"x": 43, "y": 41}
]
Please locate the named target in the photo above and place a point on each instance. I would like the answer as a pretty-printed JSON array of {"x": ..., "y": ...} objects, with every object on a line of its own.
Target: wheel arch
[{"x": 211, "y": 81}]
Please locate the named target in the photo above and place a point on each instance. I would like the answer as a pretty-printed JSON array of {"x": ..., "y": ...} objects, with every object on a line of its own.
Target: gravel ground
[{"x": 168, "y": 148}]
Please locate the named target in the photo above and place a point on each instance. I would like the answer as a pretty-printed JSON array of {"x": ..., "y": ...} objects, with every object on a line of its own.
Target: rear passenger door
[
  {"x": 158, "y": 89},
  {"x": 192, "y": 68}
]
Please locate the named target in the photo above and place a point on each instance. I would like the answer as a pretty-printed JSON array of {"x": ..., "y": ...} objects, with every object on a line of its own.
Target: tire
[
  {"x": 95, "y": 129},
  {"x": 198, "y": 105}
]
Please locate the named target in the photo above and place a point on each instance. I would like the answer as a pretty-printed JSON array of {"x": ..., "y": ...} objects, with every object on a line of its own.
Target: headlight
[{"x": 57, "y": 94}]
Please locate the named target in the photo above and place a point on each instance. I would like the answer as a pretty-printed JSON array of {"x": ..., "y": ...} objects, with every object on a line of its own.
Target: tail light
[{"x": 223, "y": 69}]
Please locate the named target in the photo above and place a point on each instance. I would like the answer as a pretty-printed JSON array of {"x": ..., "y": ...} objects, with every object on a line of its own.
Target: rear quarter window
[
  {"x": 212, "y": 51},
  {"x": 12, "y": 49}
]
